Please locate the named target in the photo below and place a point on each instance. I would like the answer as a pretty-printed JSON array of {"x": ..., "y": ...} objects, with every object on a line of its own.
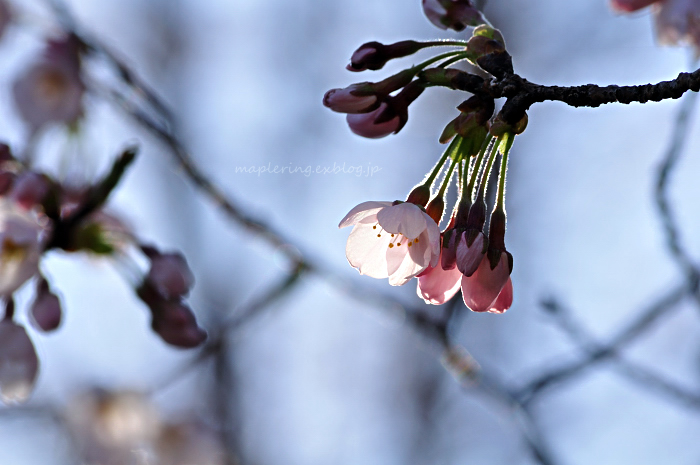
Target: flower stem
[
  {"x": 505, "y": 142},
  {"x": 467, "y": 190},
  {"x": 448, "y": 152},
  {"x": 487, "y": 171},
  {"x": 456, "y": 159}
]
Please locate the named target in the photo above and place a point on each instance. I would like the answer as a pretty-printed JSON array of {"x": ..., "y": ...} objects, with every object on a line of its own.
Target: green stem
[
  {"x": 457, "y": 159},
  {"x": 445, "y": 43},
  {"x": 487, "y": 171},
  {"x": 436, "y": 58},
  {"x": 475, "y": 169},
  {"x": 450, "y": 149},
  {"x": 506, "y": 142}
]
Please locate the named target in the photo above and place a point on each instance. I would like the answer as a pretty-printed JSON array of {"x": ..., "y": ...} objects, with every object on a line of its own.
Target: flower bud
[
  {"x": 356, "y": 98},
  {"x": 628, "y": 6},
  {"x": 490, "y": 55},
  {"x": 435, "y": 209},
  {"x": 30, "y": 189},
  {"x": 390, "y": 117},
  {"x": 46, "y": 308},
  {"x": 170, "y": 276},
  {"x": 500, "y": 127},
  {"x": 175, "y": 324},
  {"x": 419, "y": 195},
  {"x": 374, "y": 55},
  {"x": 490, "y": 32},
  {"x": 19, "y": 363},
  {"x": 452, "y": 14}
]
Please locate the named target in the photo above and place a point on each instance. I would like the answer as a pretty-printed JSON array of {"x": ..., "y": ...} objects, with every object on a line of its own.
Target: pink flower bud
[
  {"x": 170, "y": 276},
  {"x": 628, "y": 6},
  {"x": 471, "y": 250},
  {"x": 374, "y": 55},
  {"x": 19, "y": 364},
  {"x": 357, "y": 98},
  {"x": 366, "y": 124},
  {"x": 176, "y": 325},
  {"x": 482, "y": 289},
  {"x": 51, "y": 90},
  {"x": 30, "y": 189},
  {"x": 452, "y": 14},
  {"x": 46, "y": 308}
]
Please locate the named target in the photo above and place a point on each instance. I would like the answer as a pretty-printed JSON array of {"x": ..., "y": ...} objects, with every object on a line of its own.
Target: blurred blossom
[
  {"x": 45, "y": 311},
  {"x": 113, "y": 428},
  {"x": 170, "y": 276},
  {"x": 175, "y": 323},
  {"x": 452, "y": 14},
  {"x": 51, "y": 90},
  {"x": 189, "y": 443},
  {"x": 677, "y": 21},
  {"x": 29, "y": 189},
  {"x": 22, "y": 236},
  {"x": 5, "y": 16},
  {"x": 19, "y": 364}
]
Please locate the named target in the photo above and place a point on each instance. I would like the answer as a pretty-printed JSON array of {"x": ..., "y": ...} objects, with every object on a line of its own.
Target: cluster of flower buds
[
  {"x": 39, "y": 214},
  {"x": 163, "y": 289},
  {"x": 377, "y": 109},
  {"x": 677, "y": 21},
  {"x": 402, "y": 240}
]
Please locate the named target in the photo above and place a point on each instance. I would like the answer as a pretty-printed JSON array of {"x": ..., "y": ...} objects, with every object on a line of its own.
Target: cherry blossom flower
[
  {"x": 51, "y": 90},
  {"x": 22, "y": 237},
  {"x": 19, "y": 364},
  {"x": 391, "y": 240}
]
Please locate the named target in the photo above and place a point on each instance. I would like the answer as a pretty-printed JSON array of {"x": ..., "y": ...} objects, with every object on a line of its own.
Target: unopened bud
[
  {"x": 500, "y": 127},
  {"x": 374, "y": 55},
  {"x": 419, "y": 195},
  {"x": 452, "y": 14},
  {"x": 175, "y": 324},
  {"x": 19, "y": 363},
  {"x": 435, "y": 209},
  {"x": 46, "y": 308}
]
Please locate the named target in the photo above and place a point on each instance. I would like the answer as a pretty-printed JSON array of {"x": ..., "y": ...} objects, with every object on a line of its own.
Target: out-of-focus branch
[
  {"x": 639, "y": 374},
  {"x": 647, "y": 317}
]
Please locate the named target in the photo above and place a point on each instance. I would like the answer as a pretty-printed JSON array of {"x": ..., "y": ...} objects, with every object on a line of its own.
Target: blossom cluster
[
  {"x": 402, "y": 240},
  {"x": 42, "y": 213}
]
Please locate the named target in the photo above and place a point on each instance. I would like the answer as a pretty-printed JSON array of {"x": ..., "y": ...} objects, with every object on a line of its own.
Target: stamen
[{"x": 391, "y": 245}]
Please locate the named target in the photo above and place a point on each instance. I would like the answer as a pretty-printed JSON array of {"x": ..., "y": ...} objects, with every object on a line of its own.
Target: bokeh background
[{"x": 322, "y": 375}]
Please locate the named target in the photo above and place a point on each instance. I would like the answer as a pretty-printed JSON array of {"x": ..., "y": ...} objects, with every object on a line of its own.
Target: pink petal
[
  {"x": 363, "y": 124},
  {"x": 449, "y": 253},
  {"x": 481, "y": 289},
  {"x": 436, "y": 286},
  {"x": 504, "y": 300},
  {"x": 404, "y": 218},
  {"x": 469, "y": 258},
  {"x": 361, "y": 211}
]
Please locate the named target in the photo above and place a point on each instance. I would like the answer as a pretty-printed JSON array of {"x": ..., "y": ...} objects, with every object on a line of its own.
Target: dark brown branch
[{"x": 522, "y": 94}]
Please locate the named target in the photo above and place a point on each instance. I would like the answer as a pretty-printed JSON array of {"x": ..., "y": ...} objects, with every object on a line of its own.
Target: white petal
[
  {"x": 367, "y": 252},
  {"x": 361, "y": 211},
  {"x": 434, "y": 238},
  {"x": 404, "y": 218}
]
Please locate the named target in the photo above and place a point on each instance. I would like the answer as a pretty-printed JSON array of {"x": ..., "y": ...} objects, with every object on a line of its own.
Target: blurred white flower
[{"x": 19, "y": 364}]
